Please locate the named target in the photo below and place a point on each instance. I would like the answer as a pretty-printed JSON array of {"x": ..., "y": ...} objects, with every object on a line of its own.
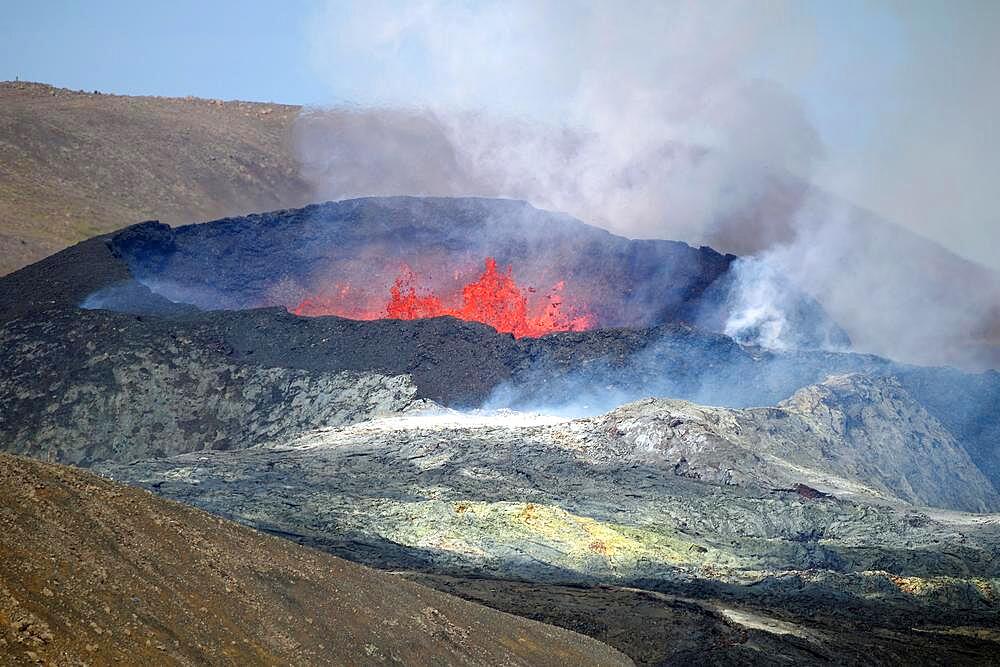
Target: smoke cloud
[
  {"x": 687, "y": 121},
  {"x": 647, "y": 122}
]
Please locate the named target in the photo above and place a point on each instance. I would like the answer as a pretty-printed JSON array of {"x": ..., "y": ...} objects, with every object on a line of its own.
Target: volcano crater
[{"x": 501, "y": 262}]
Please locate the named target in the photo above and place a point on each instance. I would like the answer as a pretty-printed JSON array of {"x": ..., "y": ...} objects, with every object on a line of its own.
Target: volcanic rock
[
  {"x": 793, "y": 530},
  {"x": 124, "y": 159},
  {"x": 849, "y": 435},
  {"x": 112, "y": 388},
  {"x": 278, "y": 258},
  {"x": 601, "y": 502},
  {"x": 461, "y": 364},
  {"x": 656, "y": 628}
]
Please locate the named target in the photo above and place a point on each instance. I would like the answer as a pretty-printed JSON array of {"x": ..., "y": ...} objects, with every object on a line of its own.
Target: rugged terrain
[
  {"x": 793, "y": 505},
  {"x": 200, "y": 372},
  {"x": 683, "y": 511},
  {"x": 92, "y": 572},
  {"x": 115, "y": 391}
]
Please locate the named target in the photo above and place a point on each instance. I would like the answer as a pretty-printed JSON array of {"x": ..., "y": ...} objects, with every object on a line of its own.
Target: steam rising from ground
[
  {"x": 445, "y": 419},
  {"x": 759, "y": 314},
  {"x": 666, "y": 120}
]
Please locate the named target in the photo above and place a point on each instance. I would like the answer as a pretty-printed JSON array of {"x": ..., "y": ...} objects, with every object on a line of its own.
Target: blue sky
[
  {"x": 230, "y": 50},
  {"x": 264, "y": 51}
]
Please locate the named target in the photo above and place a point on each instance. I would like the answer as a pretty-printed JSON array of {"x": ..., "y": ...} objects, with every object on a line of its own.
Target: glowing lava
[{"x": 494, "y": 299}]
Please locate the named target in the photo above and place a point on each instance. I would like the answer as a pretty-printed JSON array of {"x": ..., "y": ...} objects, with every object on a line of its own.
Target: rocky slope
[
  {"x": 739, "y": 532},
  {"x": 80, "y": 385},
  {"x": 799, "y": 531},
  {"x": 850, "y": 435},
  {"x": 93, "y": 572}
]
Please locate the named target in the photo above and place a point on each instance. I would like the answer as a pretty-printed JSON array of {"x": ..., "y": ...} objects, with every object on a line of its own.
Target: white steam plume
[
  {"x": 602, "y": 112},
  {"x": 656, "y": 119}
]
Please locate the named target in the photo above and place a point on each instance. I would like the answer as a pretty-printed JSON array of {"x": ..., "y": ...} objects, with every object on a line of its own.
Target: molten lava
[{"x": 494, "y": 299}]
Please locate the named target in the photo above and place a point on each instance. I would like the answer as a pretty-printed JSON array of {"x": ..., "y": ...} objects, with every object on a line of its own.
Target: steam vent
[{"x": 499, "y": 408}]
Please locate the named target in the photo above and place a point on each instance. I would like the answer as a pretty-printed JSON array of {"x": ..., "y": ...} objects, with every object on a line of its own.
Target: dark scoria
[{"x": 280, "y": 257}]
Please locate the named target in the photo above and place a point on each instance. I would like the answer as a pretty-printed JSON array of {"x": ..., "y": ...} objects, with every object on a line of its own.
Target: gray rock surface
[
  {"x": 603, "y": 499},
  {"x": 849, "y": 435},
  {"x": 74, "y": 395}
]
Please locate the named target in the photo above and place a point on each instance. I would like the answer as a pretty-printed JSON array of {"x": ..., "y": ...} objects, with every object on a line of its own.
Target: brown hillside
[
  {"x": 98, "y": 573},
  {"x": 75, "y": 164}
]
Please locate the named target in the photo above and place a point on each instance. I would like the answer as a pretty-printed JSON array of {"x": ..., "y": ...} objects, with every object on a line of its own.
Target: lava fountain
[{"x": 494, "y": 298}]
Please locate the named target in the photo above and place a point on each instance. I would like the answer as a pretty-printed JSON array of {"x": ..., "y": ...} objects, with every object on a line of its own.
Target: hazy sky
[{"x": 902, "y": 96}]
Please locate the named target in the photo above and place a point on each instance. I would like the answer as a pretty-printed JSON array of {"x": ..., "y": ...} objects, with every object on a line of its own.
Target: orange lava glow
[{"x": 494, "y": 299}]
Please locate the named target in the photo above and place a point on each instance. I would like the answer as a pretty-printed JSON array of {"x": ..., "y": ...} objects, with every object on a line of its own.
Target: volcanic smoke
[{"x": 494, "y": 299}]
